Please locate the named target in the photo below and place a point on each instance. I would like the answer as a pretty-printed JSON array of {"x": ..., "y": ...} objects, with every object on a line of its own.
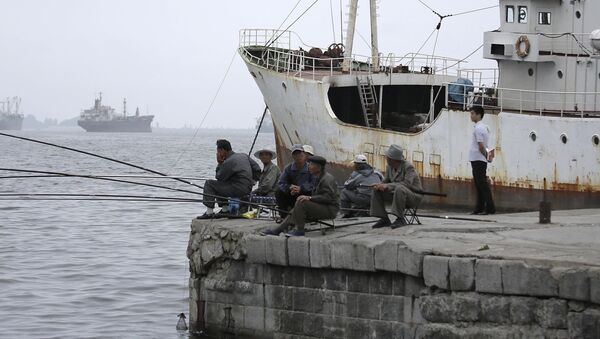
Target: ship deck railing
[
  {"x": 549, "y": 103},
  {"x": 272, "y": 49}
]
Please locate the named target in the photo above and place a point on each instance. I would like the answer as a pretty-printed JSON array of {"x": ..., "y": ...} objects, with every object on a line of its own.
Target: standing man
[
  {"x": 234, "y": 176},
  {"x": 357, "y": 189},
  {"x": 295, "y": 181},
  {"x": 269, "y": 177},
  {"x": 322, "y": 204},
  {"x": 400, "y": 185},
  {"x": 479, "y": 157}
]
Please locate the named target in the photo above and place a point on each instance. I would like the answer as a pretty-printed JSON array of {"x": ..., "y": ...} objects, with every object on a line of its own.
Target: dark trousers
[
  {"x": 307, "y": 211},
  {"x": 214, "y": 188},
  {"x": 285, "y": 202},
  {"x": 485, "y": 202}
]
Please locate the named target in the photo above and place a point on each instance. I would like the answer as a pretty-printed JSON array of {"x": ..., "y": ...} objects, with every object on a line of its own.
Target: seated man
[
  {"x": 234, "y": 176},
  {"x": 400, "y": 185},
  {"x": 357, "y": 189},
  {"x": 322, "y": 204},
  {"x": 295, "y": 181},
  {"x": 269, "y": 177}
]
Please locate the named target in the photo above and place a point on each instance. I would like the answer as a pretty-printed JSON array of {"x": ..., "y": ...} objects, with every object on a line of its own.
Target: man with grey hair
[{"x": 400, "y": 186}]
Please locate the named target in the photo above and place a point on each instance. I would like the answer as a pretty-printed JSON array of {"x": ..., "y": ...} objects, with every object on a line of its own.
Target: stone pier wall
[{"x": 374, "y": 286}]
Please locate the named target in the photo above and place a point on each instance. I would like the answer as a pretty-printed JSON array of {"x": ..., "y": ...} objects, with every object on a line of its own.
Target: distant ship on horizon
[
  {"x": 267, "y": 124},
  {"x": 10, "y": 117},
  {"x": 101, "y": 118}
]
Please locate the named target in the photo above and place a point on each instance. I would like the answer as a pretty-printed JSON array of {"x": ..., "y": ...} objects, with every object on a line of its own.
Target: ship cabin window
[
  {"x": 405, "y": 107},
  {"x": 544, "y": 18},
  {"x": 510, "y": 14},
  {"x": 523, "y": 14}
]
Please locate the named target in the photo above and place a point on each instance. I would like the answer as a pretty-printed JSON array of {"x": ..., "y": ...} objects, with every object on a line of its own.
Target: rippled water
[{"x": 83, "y": 269}]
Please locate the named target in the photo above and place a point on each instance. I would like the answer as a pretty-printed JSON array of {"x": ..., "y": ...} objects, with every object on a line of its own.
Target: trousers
[
  {"x": 214, "y": 188},
  {"x": 485, "y": 202},
  {"x": 305, "y": 211},
  {"x": 400, "y": 197}
]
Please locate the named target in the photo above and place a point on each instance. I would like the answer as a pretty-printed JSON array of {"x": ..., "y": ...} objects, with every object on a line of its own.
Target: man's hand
[
  {"x": 303, "y": 198},
  {"x": 379, "y": 187},
  {"x": 294, "y": 189},
  {"x": 220, "y": 158}
]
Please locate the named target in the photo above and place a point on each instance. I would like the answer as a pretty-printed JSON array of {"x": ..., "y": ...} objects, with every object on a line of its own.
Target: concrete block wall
[{"x": 369, "y": 286}]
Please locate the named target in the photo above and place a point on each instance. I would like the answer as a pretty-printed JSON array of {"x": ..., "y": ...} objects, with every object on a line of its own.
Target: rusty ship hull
[{"x": 524, "y": 167}]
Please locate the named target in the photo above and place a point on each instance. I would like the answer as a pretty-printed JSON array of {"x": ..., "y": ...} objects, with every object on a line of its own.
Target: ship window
[
  {"x": 530, "y": 72},
  {"x": 510, "y": 14},
  {"x": 578, "y": 14},
  {"x": 522, "y": 14},
  {"x": 560, "y": 74},
  {"x": 497, "y": 49},
  {"x": 544, "y": 18},
  {"x": 596, "y": 139},
  {"x": 563, "y": 138}
]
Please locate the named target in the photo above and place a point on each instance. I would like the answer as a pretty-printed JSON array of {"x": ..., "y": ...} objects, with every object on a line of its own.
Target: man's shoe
[
  {"x": 295, "y": 233},
  {"x": 398, "y": 223},
  {"x": 490, "y": 212},
  {"x": 205, "y": 216},
  {"x": 383, "y": 222},
  {"x": 476, "y": 212},
  {"x": 270, "y": 232},
  {"x": 221, "y": 215},
  {"x": 347, "y": 215}
]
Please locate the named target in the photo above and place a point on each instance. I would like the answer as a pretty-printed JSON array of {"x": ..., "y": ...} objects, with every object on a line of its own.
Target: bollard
[{"x": 545, "y": 212}]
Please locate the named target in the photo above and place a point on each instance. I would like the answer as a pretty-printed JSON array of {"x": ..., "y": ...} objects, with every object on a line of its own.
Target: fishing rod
[
  {"x": 101, "y": 176},
  {"x": 62, "y": 174},
  {"x": 151, "y": 197},
  {"x": 98, "y": 156}
]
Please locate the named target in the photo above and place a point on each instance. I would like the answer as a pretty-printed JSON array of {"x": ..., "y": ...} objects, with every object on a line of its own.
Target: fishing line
[
  {"x": 97, "y": 156},
  {"x": 210, "y": 106},
  {"x": 97, "y": 195},
  {"x": 100, "y": 178}
]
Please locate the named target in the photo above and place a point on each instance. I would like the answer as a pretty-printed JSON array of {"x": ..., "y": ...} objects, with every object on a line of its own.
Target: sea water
[{"x": 100, "y": 269}]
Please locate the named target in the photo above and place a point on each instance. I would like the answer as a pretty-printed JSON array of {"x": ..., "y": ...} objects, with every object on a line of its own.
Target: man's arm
[
  {"x": 268, "y": 180},
  {"x": 284, "y": 184},
  {"x": 225, "y": 170},
  {"x": 326, "y": 194}
]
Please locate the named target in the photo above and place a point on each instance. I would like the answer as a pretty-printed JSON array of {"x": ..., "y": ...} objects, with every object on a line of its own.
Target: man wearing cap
[
  {"x": 269, "y": 177},
  {"x": 322, "y": 204},
  {"x": 309, "y": 150},
  {"x": 295, "y": 181},
  {"x": 357, "y": 189},
  {"x": 401, "y": 185}
]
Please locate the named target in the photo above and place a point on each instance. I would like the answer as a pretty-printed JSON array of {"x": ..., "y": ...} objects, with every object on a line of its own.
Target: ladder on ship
[{"x": 368, "y": 101}]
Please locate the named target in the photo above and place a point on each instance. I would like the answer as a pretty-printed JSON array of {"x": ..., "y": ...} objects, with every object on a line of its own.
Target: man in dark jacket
[
  {"x": 322, "y": 204},
  {"x": 357, "y": 191},
  {"x": 295, "y": 181},
  {"x": 234, "y": 176},
  {"x": 401, "y": 185}
]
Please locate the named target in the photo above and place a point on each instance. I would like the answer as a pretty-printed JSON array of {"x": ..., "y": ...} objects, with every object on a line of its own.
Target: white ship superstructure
[
  {"x": 11, "y": 117},
  {"x": 542, "y": 104}
]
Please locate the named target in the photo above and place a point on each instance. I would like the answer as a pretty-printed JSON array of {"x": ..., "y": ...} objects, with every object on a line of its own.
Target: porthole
[
  {"x": 596, "y": 139},
  {"x": 530, "y": 72},
  {"x": 532, "y": 136},
  {"x": 563, "y": 138},
  {"x": 560, "y": 74},
  {"x": 253, "y": 74},
  {"x": 578, "y": 14},
  {"x": 284, "y": 85}
]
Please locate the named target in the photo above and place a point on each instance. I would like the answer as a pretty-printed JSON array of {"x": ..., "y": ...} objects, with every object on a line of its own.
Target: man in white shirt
[{"x": 478, "y": 156}]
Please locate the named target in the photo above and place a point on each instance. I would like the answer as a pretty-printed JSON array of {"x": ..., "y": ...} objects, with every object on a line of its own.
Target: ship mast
[
  {"x": 350, "y": 36},
  {"x": 124, "y": 107}
]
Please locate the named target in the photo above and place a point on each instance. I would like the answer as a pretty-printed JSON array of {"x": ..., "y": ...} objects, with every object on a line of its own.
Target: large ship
[
  {"x": 10, "y": 117},
  {"x": 104, "y": 119},
  {"x": 542, "y": 104}
]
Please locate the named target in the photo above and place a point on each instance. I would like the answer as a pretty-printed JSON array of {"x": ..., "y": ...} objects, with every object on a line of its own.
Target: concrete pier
[{"x": 507, "y": 277}]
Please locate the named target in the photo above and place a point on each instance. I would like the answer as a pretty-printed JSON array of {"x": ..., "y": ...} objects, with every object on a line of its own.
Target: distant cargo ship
[
  {"x": 10, "y": 118},
  {"x": 104, "y": 119}
]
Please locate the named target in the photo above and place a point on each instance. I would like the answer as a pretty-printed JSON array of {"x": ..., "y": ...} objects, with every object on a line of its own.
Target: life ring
[{"x": 522, "y": 52}]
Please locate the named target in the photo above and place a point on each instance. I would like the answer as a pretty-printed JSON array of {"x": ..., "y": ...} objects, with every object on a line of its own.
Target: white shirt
[{"x": 481, "y": 133}]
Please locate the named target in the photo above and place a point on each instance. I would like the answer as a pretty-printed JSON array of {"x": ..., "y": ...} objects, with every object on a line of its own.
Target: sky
[{"x": 168, "y": 57}]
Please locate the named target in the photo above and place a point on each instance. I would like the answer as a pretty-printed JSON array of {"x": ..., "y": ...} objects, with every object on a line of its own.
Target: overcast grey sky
[{"x": 170, "y": 55}]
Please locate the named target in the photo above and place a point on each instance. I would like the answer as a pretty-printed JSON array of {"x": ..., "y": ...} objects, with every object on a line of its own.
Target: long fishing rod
[
  {"x": 99, "y": 178},
  {"x": 150, "y": 197},
  {"x": 94, "y": 199},
  {"x": 98, "y": 156}
]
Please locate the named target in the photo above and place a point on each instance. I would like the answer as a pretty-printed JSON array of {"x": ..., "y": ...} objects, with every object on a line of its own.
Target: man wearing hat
[
  {"x": 357, "y": 189},
  {"x": 321, "y": 204},
  {"x": 400, "y": 185},
  {"x": 295, "y": 181},
  {"x": 269, "y": 177}
]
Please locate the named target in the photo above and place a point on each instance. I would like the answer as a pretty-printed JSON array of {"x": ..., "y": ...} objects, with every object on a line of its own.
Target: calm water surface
[{"x": 90, "y": 269}]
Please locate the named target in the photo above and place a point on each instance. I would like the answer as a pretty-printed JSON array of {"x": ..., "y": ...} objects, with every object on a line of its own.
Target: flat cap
[{"x": 317, "y": 160}]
